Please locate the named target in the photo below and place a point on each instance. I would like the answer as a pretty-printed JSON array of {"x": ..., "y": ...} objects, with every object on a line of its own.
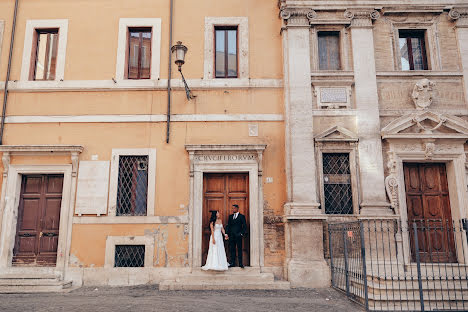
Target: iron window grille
[
  {"x": 132, "y": 191},
  {"x": 337, "y": 183},
  {"x": 129, "y": 256}
]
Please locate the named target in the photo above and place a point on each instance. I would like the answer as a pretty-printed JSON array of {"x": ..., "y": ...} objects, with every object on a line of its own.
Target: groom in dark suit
[{"x": 236, "y": 229}]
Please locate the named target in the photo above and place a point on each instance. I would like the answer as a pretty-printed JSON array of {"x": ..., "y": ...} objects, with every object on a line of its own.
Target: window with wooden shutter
[
  {"x": 329, "y": 50},
  {"x": 139, "y": 53},
  {"x": 44, "y": 54}
]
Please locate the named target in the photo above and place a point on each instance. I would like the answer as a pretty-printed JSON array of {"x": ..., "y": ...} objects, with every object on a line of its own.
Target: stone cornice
[
  {"x": 361, "y": 17},
  {"x": 460, "y": 16},
  {"x": 34, "y": 149},
  {"x": 297, "y": 16}
]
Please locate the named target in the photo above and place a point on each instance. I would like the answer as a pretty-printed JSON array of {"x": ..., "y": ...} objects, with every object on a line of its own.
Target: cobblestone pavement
[{"x": 149, "y": 298}]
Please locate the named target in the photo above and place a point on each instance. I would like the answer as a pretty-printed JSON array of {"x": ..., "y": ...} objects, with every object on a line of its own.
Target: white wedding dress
[{"x": 216, "y": 259}]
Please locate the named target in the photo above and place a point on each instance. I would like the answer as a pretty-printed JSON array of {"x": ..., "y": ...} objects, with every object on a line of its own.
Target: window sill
[{"x": 420, "y": 73}]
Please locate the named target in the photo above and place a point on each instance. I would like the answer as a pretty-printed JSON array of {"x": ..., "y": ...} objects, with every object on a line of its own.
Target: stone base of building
[{"x": 310, "y": 274}]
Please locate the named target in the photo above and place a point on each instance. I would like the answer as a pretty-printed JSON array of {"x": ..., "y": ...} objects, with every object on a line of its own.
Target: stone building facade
[
  {"x": 302, "y": 112},
  {"x": 372, "y": 86}
]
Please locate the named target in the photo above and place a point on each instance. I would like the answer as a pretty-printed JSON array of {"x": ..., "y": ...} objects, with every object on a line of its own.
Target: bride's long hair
[{"x": 213, "y": 217}]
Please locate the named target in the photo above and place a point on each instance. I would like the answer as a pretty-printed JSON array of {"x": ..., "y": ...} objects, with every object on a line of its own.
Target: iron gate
[{"x": 387, "y": 265}]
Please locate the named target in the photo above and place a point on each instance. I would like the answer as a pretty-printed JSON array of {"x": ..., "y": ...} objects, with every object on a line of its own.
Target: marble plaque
[
  {"x": 93, "y": 186},
  {"x": 333, "y": 95}
]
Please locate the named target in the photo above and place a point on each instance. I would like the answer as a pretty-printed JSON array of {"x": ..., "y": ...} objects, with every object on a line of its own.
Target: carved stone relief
[
  {"x": 391, "y": 182},
  {"x": 423, "y": 93}
]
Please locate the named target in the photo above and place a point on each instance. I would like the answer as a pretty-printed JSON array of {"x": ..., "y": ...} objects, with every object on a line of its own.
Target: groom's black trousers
[{"x": 235, "y": 242}]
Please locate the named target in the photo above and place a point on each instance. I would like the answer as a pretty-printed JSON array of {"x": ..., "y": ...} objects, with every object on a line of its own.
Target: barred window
[
  {"x": 337, "y": 183},
  {"x": 129, "y": 256},
  {"x": 132, "y": 190}
]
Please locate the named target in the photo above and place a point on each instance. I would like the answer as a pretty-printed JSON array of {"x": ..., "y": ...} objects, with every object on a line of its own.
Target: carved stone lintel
[
  {"x": 423, "y": 93},
  {"x": 460, "y": 16},
  {"x": 297, "y": 16},
  {"x": 6, "y": 163},
  {"x": 361, "y": 17}
]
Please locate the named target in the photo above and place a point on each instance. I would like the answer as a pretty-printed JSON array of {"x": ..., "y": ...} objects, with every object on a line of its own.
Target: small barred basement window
[
  {"x": 132, "y": 191},
  {"x": 337, "y": 183},
  {"x": 129, "y": 256}
]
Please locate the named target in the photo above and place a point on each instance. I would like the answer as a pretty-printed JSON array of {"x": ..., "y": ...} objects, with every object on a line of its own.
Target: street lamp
[{"x": 179, "y": 51}]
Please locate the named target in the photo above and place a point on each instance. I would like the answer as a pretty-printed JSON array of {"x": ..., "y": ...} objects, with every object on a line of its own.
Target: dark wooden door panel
[
  {"x": 428, "y": 204},
  {"x": 38, "y": 220},
  {"x": 220, "y": 192}
]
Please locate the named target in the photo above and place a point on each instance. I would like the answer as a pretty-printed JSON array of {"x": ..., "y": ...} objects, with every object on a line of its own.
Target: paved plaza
[{"x": 149, "y": 298}]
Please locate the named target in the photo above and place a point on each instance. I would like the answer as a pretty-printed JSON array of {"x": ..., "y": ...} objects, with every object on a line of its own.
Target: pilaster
[
  {"x": 373, "y": 197},
  {"x": 460, "y": 17}
]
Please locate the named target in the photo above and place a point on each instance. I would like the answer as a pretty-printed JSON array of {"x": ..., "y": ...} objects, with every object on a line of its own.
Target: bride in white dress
[{"x": 216, "y": 259}]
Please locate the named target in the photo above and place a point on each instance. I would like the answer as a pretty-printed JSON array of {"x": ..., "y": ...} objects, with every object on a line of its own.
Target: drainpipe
[
  {"x": 5, "y": 92},
  {"x": 169, "y": 75}
]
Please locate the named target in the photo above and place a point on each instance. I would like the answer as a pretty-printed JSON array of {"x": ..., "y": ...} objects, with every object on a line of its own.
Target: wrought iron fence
[{"x": 387, "y": 265}]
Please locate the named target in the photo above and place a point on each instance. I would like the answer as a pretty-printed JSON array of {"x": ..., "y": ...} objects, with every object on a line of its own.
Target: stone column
[
  {"x": 460, "y": 16},
  {"x": 373, "y": 197},
  {"x": 305, "y": 264}
]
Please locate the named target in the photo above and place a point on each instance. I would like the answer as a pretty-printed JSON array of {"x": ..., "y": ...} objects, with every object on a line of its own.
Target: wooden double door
[
  {"x": 220, "y": 192},
  {"x": 37, "y": 230},
  {"x": 428, "y": 203}
]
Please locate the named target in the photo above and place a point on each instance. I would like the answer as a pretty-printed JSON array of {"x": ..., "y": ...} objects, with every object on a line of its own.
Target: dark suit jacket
[{"x": 236, "y": 227}]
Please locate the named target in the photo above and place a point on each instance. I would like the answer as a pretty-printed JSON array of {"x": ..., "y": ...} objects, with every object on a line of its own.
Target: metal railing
[{"x": 387, "y": 265}]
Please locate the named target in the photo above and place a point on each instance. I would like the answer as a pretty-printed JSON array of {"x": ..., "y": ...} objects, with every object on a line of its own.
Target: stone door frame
[
  {"x": 13, "y": 189},
  {"x": 453, "y": 156},
  {"x": 226, "y": 159}
]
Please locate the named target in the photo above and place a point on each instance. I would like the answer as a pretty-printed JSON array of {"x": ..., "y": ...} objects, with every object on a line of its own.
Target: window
[
  {"x": 139, "y": 53},
  {"x": 226, "y": 52},
  {"x": 132, "y": 189},
  {"x": 337, "y": 183},
  {"x": 329, "y": 50},
  {"x": 44, "y": 54},
  {"x": 129, "y": 256},
  {"x": 413, "y": 50}
]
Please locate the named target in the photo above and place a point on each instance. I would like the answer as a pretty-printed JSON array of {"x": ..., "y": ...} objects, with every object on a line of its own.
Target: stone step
[
  {"x": 402, "y": 285},
  {"x": 49, "y": 276},
  {"x": 34, "y": 286},
  {"x": 416, "y": 306},
  {"x": 232, "y": 278},
  {"x": 223, "y": 285}
]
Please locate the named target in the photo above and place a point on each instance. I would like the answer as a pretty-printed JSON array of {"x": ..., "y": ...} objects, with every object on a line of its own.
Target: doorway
[
  {"x": 220, "y": 192},
  {"x": 37, "y": 230},
  {"x": 428, "y": 203}
]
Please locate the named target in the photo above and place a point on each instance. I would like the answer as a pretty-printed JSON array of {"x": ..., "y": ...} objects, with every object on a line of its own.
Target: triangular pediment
[
  {"x": 426, "y": 124},
  {"x": 337, "y": 134}
]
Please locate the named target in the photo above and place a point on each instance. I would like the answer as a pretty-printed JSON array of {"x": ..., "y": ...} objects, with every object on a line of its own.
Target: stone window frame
[
  {"x": 114, "y": 176},
  {"x": 124, "y": 25},
  {"x": 112, "y": 241},
  {"x": 350, "y": 147},
  {"x": 31, "y": 26},
  {"x": 431, "y": 44},
  {"x": 242, "y": 24},
  {"x": 345, "y": 46}
]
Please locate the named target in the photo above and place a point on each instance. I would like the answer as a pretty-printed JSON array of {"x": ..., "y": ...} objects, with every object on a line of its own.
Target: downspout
[
  {"x": 5, "y": 92},
  {"x": 169, "y": 75}
]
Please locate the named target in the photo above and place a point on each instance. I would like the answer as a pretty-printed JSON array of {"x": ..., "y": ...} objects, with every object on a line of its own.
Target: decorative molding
[
  {"x": 140, "y": 85},
  {"x": 6, "y": 164},
  {"x": 298, "y": 16},
  {"x": 391, "y": 182},
  {"x": 130, "y": 220},
  {"x": 460, "y": 16},
  {"x": 337, "y": 134},
  {"x": 423, "y": 93},
  {"x": 142, "y": 118},
  {"x": 361, "y": 17},
  {"x": 36, "y": 149},
  {"x": 400, "y": 128}
]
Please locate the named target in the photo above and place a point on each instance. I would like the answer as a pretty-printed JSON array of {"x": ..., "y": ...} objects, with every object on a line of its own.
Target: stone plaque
[
  {"x": 333, "y": 95},
  {"x": 93, "y": 186},
  {"x": 225, "y": 158}
]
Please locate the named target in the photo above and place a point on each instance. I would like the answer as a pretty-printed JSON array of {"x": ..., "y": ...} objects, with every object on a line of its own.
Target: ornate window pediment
[
  {"x": 426, "y": 125},
  {"x": 336, "y": 134}
]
